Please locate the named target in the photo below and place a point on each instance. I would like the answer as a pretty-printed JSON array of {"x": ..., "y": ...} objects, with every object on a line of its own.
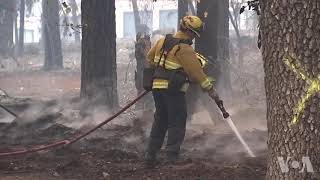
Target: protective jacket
[{"x": 181, "y": 56}]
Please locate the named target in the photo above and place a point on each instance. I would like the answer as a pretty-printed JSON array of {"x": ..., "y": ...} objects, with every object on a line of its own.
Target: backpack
[{"x": 177, "y": 77}]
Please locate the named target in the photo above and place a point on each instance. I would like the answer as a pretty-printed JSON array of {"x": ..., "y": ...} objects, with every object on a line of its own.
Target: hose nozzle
[{"x": 219, "y": 103}]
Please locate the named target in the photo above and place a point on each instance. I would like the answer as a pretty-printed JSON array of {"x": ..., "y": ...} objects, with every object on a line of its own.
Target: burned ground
[
  {"x": 116, "y": 151},
  {"x": 49, "y": 109}
]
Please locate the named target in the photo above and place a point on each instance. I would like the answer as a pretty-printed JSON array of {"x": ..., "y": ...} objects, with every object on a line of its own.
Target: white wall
[{"x": 123, "y": 6}]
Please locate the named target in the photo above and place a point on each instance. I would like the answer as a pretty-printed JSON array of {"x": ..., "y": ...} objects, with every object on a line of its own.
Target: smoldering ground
[
  {"x": 77, "y": 114},
  {"x": 50, "y": 109},
  {"x": 116, "y": 150}
]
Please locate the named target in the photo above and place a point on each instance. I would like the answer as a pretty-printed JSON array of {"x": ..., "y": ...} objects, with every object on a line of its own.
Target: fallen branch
[
  {"x": 5, "y": 93},
  {"x": 9, "y": 111}
]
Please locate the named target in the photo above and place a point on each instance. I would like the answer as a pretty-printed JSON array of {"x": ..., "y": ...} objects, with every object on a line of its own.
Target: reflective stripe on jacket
[
  {"x": 181, "y": 56},
  {"x": 203, "y": 60}
]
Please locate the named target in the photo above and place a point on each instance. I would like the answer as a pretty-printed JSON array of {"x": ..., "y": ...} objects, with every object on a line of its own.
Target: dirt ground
[{"x": 49, "y": 109}]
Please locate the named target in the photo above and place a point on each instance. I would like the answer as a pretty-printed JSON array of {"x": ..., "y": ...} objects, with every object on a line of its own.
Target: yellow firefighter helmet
[{"x": 193, "y": 23}]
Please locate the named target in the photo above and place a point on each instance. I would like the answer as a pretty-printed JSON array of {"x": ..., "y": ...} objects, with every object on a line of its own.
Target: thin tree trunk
[
  {"x": 137, "y": 21},
  {"x": 75, "y": 19},
  {"x": 98, "y": 60},
  {"x": 233, "y": 20},
  {"x": 142, "y": 45},
  {"x": 182, "y": 10},
  {"x": 51, "y": 35},
  {"x": 290, "y": 49},
  {"x": 21, "y": 29},
  {"x": 223, "y": 48},
  {"x": 7, "y": 15},
  {"x": 191, "y": 7},
  {"x": 16, "y": 36}
]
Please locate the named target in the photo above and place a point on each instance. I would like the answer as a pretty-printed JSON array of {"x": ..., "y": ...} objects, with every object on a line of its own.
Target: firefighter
[{"x": 175, "y": 64}]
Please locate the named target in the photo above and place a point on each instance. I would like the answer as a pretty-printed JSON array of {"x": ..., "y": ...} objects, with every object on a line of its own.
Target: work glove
[{"x": 214, "y": 95}]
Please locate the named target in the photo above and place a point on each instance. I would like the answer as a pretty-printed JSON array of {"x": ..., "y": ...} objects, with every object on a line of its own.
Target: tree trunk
[
  {"x": 21, "y": 29},
  {"x": 51, "y": 35},
  {"x": 7, "y": 15},
  {"x": 16, "y": 36},
  {"x": 142, "y": 46},
  {"x": 223, "y": 49},
  {"x": 236, "y": 26},
  {"x": 137, "y": 21},
  {"x": 191, "y": 7},
  {"x": 290, "y": 49},
  {"x": 75, "y": 19},
  {"x": 207, "y": 45},
  {"x": 98, "y": 60},
  {"x": 182, "y": 10}
]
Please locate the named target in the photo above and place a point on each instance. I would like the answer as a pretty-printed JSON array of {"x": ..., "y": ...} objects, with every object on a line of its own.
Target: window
[
  {"x": 28, "y": 36},
  {"x": 129, "y": 26},
  {"x": 168, "y": 20}
]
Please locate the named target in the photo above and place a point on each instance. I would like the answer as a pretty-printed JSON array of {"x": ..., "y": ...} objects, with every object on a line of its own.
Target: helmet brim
[{"x": 197, "y": 33}]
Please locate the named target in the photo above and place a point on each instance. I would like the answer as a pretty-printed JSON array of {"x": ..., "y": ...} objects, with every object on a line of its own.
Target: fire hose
[
  {"x": 73, "y": 140},
  {"x": 77, "y": 138}
]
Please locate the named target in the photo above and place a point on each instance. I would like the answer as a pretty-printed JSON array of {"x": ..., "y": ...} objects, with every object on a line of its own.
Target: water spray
[{"x": 228, "y": 119}]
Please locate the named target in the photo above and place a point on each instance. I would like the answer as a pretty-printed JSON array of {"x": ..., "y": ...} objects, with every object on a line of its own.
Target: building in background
[
  {"x": 32, "y": 24},
  {"x": 160, "y": 17}
]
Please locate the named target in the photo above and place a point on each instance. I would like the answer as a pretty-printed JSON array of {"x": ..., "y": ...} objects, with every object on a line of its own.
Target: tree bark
[
  {"x": 51, "y": 35},
  {"x": 98, "y": 60},
  {"x": 7, "y": 15},
  {"x": 21, "y": 29},
  {"x": 291, "y": 51}
]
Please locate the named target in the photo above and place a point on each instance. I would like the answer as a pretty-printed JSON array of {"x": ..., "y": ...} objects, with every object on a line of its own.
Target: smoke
[
  {"x": 216, "y": 140},
  {"x": 68, "y": 111},
  {"x": 221, "y": 143},
  {"x": 92, "y": 117}
]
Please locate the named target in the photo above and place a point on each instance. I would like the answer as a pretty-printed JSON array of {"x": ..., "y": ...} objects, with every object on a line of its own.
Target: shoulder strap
[
  {"x": 162, "y": 50},
  {"x": 186, "y": 41},
  {"x": 183, "y": 41},
  {"x": 168, "y": 44}
]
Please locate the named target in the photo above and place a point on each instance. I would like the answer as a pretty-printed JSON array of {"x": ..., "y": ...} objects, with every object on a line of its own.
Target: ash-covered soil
[{"x": 116, "y": 151}]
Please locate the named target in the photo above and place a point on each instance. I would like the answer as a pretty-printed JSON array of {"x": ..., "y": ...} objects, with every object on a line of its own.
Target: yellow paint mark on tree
[{"x": 312, "y": 89}]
